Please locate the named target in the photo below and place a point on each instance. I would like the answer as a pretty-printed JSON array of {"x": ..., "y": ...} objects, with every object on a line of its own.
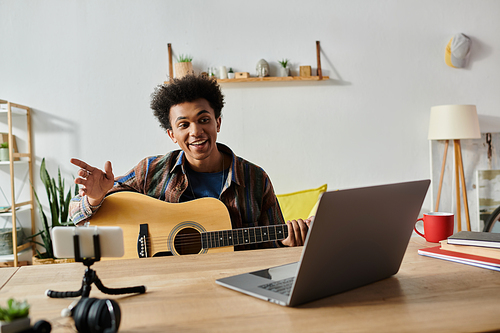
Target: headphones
[{"x": 93, "y": 315}]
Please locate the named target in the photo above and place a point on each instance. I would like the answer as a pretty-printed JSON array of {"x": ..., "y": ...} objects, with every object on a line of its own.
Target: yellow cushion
[{"x": 301, "y": 204}]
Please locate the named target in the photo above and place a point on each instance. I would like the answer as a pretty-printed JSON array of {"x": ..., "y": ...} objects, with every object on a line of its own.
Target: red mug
[{"x": 437, "y": 226}]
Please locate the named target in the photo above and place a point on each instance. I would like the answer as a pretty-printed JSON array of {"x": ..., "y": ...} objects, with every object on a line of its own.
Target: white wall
[{"x": 87, "y": 68}]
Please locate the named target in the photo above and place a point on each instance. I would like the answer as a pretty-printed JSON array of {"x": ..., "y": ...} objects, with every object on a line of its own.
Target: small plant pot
[
  {"x": 283, "y": 72},
  {"x": 183, "y": 69},
  {"x": 14, "y": 326},
  {"x": 4, "y": 154}
]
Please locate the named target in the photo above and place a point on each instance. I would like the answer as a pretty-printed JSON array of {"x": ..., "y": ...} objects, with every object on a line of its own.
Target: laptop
[{"x": 357, "y": 237}]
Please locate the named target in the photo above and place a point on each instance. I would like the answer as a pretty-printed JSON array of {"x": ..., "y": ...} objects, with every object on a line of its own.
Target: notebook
[{"x": 358, "y": 236}]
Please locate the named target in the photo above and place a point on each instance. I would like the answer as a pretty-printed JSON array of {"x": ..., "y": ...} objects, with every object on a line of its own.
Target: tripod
[{"x": 90, "y": 275}]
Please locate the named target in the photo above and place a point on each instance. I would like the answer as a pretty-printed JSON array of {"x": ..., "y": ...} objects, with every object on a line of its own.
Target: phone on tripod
[{"x": 111, "y": 241}]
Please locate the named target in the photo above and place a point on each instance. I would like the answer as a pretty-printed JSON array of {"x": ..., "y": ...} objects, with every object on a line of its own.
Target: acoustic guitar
[{"x": 152, "y": 227}]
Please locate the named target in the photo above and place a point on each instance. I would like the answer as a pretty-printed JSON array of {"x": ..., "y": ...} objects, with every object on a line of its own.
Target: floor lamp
[{"x": 454, "y": 122}]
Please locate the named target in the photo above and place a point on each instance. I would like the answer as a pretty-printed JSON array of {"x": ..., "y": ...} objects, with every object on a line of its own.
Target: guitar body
[{"x": 167, "y": 223}]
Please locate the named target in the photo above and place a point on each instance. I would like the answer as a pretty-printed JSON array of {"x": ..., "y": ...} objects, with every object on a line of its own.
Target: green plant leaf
[
  {"x": 44, "y": 175},
  {"x": 54, "y": 207},
  {"x": 65, "y": 207},
  {"x": 46, "y": 230},
  {"x": 59, "y": 202},
  {"x": 36, "y": 242},
  {"x": 47, "y": 241},
  {"x": 38, "y": 253},
  {"x": 34, "y": 235},
  {"x": 284, "y": 62},
  {"x": 14, "y": 310},
  {"x": 184, "y": 58},
  {"x": 60, "y": 187}
]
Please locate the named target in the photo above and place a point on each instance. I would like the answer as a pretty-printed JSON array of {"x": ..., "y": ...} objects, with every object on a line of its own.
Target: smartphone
[{"x": 110, "y": 239}]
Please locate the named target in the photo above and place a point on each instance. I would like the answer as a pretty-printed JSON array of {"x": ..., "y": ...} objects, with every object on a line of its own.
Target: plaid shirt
[{"x": 248, "y": 193}]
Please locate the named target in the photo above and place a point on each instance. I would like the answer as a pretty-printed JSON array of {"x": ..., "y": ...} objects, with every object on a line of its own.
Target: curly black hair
[{"x": 185, "y": 89}]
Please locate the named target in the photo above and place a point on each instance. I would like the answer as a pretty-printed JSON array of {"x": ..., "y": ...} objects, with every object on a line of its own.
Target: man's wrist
[{"x": 93, "y": 203}]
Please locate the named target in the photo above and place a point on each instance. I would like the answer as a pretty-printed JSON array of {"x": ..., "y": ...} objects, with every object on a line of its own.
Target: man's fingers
[
  {"x": 82, "y": 173},
  {"x": 303, "y": 231},
  {"x": 304, "y": 228},
  {"x": 295, "y": 233},
  {"x": 291, "y": 236},
  {"x": 82, "y": 165},
  {"x": 79, "y": 181},
  {"x": 79, "y": 163},
  {"x": 108, "y": 169},
  {"x": 298, "y": 232}
]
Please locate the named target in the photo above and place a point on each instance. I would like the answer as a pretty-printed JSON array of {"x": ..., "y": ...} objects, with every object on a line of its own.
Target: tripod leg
[
  {"x": 118, "y": 291},
  {"x": 84, "y": 291},
  {"x": 63, "y": 294}
]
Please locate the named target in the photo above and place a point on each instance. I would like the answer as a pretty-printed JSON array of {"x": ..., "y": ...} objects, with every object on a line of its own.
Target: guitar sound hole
[{"x": 187, "y": 241}]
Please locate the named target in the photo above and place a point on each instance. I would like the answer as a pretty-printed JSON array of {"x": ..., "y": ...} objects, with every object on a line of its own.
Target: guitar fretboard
[{"x": 244, "y": 236}]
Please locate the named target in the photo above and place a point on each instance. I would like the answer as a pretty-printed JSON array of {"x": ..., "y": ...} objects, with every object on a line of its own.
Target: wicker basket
[
  {"x": 38, "y": 261},
  {"x": 6, "y": 239}
]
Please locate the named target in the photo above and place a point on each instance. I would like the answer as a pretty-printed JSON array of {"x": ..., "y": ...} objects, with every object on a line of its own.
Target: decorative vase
[
  {"x": 4, "y": 154},
  {"x": 18, "y": 325},
  {"x": 222, "y": 72},
  {"x": 183, "y": 69},
  {"x": 283, "y": 71}
]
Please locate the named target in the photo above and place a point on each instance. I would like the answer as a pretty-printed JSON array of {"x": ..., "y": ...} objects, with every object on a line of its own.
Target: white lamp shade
[{"x": 450, "y": 122}]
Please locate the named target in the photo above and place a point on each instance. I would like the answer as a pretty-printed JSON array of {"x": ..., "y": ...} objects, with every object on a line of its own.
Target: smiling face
[{"x": 194, "y": 129}]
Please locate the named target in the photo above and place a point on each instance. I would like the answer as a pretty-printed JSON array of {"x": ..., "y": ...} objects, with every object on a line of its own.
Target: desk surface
[
  {"x": 5, "y": 274},
  {"x": 427, "y": 294}
]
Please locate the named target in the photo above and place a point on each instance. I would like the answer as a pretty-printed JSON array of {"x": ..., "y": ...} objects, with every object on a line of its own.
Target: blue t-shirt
[{"x": 203, "y": 184}]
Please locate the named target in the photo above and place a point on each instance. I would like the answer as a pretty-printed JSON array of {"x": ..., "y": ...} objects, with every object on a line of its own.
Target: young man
[{"x": 189, "y": 109}]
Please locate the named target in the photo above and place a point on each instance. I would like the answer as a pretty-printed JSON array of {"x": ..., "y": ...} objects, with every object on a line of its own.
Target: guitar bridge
[{"x": 142, "y": 241}]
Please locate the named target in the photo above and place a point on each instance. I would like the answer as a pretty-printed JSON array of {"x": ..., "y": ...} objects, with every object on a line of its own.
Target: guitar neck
[{"x": 245, "y": 236}]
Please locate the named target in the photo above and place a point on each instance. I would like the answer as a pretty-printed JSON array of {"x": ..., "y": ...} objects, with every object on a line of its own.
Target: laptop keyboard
[{"x": 281, "y": 286}]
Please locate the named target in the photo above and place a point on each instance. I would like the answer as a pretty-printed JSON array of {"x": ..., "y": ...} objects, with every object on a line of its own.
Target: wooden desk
[
  {"x": 427, "y": 295},
  {"x": 5, "y": 274}
]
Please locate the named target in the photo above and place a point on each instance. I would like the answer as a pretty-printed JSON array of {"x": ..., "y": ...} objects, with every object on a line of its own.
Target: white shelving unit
[{"x": 9, "y": 110}]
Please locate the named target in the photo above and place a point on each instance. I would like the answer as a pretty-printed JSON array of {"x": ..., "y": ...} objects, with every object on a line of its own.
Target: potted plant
[
  {"x": 184, "y": 66},
  {"x": 14, "y": 317},
  {"x": 230, "y": 74},
  {"x": 4, "y": 151},
  {"x": 59, "y": 208},
  {"x": 283, "y": 70}
]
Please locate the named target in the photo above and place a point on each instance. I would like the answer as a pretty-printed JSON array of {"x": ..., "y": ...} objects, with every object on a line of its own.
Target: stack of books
[{"x": 480, "y": 249}]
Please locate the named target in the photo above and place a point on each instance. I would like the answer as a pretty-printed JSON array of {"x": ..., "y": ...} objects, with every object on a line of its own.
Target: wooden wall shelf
[
  {"x": 319, "y": 77},
  {"x": 274, "y": 79}
]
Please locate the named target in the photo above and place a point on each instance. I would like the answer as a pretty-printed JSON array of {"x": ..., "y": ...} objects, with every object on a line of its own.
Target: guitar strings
[
  {"x": 165, "y": 243},
  {"x": 183, "y": 237},
  {"x": 184, "y": 240}
]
